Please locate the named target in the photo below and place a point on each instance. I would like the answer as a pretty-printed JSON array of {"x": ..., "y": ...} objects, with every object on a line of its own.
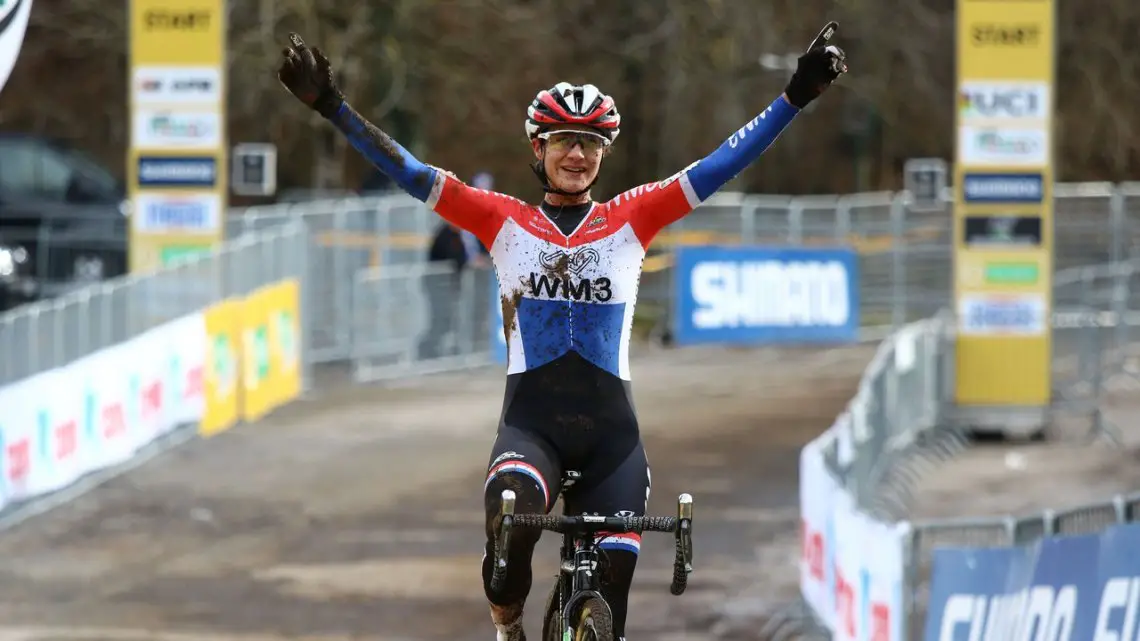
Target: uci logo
[{"x": 1003, "y": 100}]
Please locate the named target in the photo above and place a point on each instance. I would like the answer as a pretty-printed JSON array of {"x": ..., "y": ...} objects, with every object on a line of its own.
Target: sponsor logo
[
  {"x": 565, "y": 287},
  {"x": 770, "y": 293},
  {"x": 177, "y": 172},
  {"x": 112, "y": 420},
  {"x": 1003, "y": 188},
  {"x": 1010, "y": 315},
  {"x": 558, "y": 282},
  {"x": 186, "y": 214},
  {"x": 177, "y": 20},
  {"x": 1003, "y": 146},
  {"x": 506, "y": 456},
  {"x": 990, "y": 34},
  {"x": 1003, "y": 100},
  {"x": 577, "y": 262},
  {"x": 186, "y": 85},
  {"x": 58, "y": 439},
  {"x": 17, "y": 462},
  {"x": 1003, "y": 230},
  {"x": 742, "y": 133},
  {"x": 185, "y": 130}
]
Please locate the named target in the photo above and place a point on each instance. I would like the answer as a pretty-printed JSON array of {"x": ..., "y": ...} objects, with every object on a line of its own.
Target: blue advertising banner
[
  {"x": 759, "y": 295},
  {"x": 1074, "y": 588}
]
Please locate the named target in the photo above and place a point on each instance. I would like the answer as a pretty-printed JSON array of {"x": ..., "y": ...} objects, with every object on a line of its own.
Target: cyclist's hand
[
  {"x": 308, "y": 75},
  {"x": 816, "y": 69}
]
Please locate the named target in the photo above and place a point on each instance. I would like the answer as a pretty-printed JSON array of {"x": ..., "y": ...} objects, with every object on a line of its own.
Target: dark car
[{"x": 62, "y": 220}]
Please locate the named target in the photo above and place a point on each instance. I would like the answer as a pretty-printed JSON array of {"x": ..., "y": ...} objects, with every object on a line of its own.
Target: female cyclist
[{"x": 568, "y": 270}]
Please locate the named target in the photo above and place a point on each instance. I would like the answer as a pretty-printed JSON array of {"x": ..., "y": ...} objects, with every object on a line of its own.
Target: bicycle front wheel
[
  {"x": 592, "y": 621},
  {"x": 552, "y": 621}
]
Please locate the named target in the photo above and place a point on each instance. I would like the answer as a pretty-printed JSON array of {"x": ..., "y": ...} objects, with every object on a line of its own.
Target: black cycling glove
[
  {"x": 309, "y": 76},
  {"x": 816, "y": 69}
]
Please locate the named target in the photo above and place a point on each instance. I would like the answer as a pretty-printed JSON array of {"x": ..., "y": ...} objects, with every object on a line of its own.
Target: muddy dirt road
[{"x": 356, "y": 515}]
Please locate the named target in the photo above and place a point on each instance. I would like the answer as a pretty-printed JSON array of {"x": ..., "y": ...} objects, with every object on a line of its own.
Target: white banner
[
  {"x": 14, "y": 16},
  {"x": 868, "y": 576},
  {"x": 817, "y": 532},
  {"x": 100, "y": 410},
  {"x": 851, "y": 565}
]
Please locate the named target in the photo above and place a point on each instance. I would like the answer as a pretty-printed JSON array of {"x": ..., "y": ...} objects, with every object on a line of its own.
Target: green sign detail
[
  {"x": 224, "y": 365},
  {"x": 286, "y": 338},
  {"x": 171, "y": 254},
  {"x": 1011, "y": 273},
  {"x": 261, "y": 352}
]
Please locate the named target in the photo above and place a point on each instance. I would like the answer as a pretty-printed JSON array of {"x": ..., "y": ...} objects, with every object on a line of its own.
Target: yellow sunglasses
[{"x": 565, "y": 140}]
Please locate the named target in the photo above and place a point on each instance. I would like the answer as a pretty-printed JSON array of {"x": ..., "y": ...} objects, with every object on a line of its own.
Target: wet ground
[{"x": 356, "y": 515}]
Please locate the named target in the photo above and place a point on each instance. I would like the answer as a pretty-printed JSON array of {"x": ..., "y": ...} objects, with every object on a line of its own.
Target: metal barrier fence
[
  {"x": 420, "y": 318},
  {"x": 905, "y": 263},
  {"x": 50, "y": 333},
  {"x": 367, "y": 295},
  {"x": 901, "y": 412},
  {"x": 905, "y": 255}
]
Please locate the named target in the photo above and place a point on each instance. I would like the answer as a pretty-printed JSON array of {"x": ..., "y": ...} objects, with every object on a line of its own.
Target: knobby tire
[
  {"x": 551, "y": 622},
  {"x": 592, "y": 621}
]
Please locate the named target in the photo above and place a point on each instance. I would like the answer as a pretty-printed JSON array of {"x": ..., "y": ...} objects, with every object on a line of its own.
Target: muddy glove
[
  {"x": 308, "y": 75},
  {"x": 816, "y": 69}
]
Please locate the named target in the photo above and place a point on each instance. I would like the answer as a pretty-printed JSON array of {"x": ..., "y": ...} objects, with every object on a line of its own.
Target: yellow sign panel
[
  {"x": 1003, "y": 214},
  {"x": 223, "y": 376},
  {"x": 283, "y": 303},
  {"x": 176, "y": 164},
  {"x": 178, "y": 32},
  {"x": 257, "y": 385},
  {"x": 271, "y": 349}
]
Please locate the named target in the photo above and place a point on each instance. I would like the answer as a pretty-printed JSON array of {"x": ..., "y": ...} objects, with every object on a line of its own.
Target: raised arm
[
  {"x": 661, "y": 204},
  {"x": 308, "y": 75},
  {"x": 413, "y": 176},
  {"x": 815, "y": 71},
  {"x": 741, "y": 149}
]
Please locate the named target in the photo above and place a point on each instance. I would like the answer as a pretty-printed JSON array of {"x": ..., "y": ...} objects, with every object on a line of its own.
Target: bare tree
[{"x": 451, "y": 80}]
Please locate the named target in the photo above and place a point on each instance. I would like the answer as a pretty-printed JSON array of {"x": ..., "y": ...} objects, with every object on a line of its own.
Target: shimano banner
[
  {"x": 1075, "y": 588},
  {"x": 750, "y": 295},
  {"x": 13, "y": 22}
]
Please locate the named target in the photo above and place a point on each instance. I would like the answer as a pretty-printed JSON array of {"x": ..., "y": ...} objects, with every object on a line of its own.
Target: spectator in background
[{"x": 448, "y": 247}]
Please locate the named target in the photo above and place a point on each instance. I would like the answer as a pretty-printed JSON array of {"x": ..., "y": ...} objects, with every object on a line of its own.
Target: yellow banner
[
  {"x": 223, "y": 331},
  {"x": 176, "y": 164},
  {"x": 1003, "y": 213},
  {"x": 271, "y": 348},
  {"x": 257, "y": 386},
  {"x": 283, "y": 302}
]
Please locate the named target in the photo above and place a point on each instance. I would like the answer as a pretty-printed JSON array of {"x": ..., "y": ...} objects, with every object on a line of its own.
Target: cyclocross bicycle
[{"x": 575, "y": 609}]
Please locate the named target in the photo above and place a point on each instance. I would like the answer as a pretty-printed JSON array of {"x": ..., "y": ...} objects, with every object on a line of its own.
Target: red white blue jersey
[
  {"x": 568, "y": 294},
  {"x": 559, "y": 292}
]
